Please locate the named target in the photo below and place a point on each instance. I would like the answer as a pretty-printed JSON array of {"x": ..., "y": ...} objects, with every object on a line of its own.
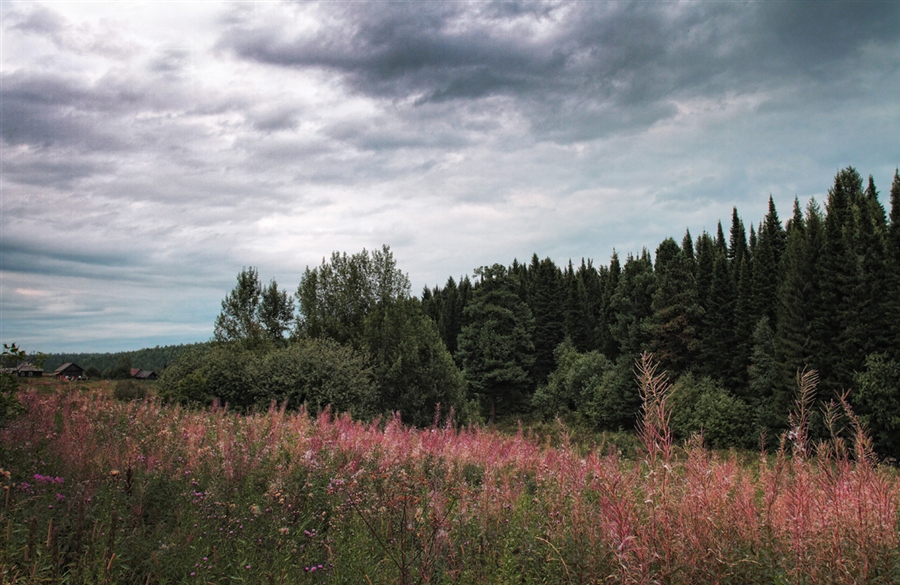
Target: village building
[
  {"x": 28, "y": 370},
  {"x": 69, "y": 371}
]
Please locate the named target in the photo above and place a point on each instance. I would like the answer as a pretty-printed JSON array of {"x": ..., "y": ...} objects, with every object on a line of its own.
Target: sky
[{"x": 151, "y": 150}]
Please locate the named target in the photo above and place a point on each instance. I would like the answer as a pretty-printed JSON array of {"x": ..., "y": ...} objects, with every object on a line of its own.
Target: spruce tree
[
  {"x": 496, "y": 351},
  {"x": 737, "y": 243},
  {"x": 798, "y": 299},
  {"x": 892, "y": 295},
  {"x": 767, "y": 264},
  {"x": 718, "y": 342},
  {"x": 676, "y": 312},
  {"x": 631, "y": 305},
  {"x": 837, "y": 275},
  {"x": 579, "y": 324},
  {"x": 545, "y": 296},
  {"x": 607, "y": 342}
]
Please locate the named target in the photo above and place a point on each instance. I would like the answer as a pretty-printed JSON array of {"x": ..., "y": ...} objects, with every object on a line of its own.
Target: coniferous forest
[{"x": 733, "y": 317}]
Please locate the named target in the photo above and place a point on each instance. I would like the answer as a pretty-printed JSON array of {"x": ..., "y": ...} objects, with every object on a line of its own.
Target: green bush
[
  {"x": 9, "y": 399},
  {"x": 314, "y": 372},
  {"x": 129, "y": 390},
  {"x": 877, "y": 401},
  {"x": 704, "y": 406},
  {"x": 601, "y": 392}
]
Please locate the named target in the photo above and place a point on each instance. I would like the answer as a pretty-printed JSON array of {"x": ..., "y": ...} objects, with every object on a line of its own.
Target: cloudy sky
[{"x": 150, "y": 150}]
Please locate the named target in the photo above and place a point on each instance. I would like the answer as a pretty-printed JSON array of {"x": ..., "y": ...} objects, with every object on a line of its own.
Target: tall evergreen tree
[
  {"x": 495, "y": 350},
  {"x": 867, "y": 330},
  {"x": 892, "y": 295},
  {"x": 718, "y": 342},
  {"x": 798, "y": 299},
  {"x": 705, "y": 258},
  {"x": 607, "y": 341},
  {"x": 676, "y": 312},
  {"x": 631, "y": 305},
  {"x": 737, "y": 243},
  {"x": 837, "y": 275},
  {"x": 579, "y": 324},
  {"x": 767, "y": 264},
  {"x": 545, "y": 296}
]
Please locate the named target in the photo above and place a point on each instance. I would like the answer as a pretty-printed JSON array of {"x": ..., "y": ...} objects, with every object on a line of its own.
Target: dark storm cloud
[
  {"x": 44, "y": 110},
  {"x": 576, "y": 67},
  {"x": 28, "y": 257}
]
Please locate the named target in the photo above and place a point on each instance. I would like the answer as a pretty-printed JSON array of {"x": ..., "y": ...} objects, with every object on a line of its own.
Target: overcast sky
[{"x": 150, "y": 150}]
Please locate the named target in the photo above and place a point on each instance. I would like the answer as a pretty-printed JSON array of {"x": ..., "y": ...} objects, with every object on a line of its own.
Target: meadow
[{"x": 97, "y": 490}]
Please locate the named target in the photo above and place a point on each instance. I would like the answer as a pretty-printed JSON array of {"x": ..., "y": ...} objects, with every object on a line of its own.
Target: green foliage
[
  {"x": 416, "y": 374},
  {"x": 631, "y": 305},
  {"x": 877, "y": 400},
  {"x": 601, "y": 392},
  {"x": 363, "y": 301},
  {"x": 10, "y": 407},
  {"x": 544, "y": 295},
  {"x": 121, "y": 371},
  {"x": 317, "y": 373},
  {"x": 314, "y": 372},
  {"x": 703, "y": 406},
  {"x": 151, "y": 358},
  {"x": 129, "y": 390},
  {"x": 672, "y": 327},
  {"x": 336, "y": 297},
  {"x": 252, "y": 314},
  {"x": 496, "y": 350}
]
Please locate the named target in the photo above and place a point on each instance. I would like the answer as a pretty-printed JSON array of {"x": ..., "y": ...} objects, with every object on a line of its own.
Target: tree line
[
  {"x": 117, "y": 365},
  {"x": 732, "y": 318}
]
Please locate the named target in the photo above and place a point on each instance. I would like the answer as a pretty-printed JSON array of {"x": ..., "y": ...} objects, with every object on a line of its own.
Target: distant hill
[{"x": 151, "y": 358}]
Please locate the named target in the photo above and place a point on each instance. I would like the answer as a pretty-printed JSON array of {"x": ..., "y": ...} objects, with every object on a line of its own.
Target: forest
[{"x": 733, "y": 318}]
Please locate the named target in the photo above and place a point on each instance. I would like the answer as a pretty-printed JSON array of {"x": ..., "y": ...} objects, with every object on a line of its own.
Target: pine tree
[
  {"x": 767, "y": 264},
  {"x": 705, "y": 258},
  {"x": 737, "y": 243},
  {"x": 867, "y": 330}
]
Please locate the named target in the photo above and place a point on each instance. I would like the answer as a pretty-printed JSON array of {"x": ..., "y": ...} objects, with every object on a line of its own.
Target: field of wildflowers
[{"x": 103, "y": 491}]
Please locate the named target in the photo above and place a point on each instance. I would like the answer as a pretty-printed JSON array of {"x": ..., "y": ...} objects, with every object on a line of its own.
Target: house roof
[
  {"x": 66, "y": 366},
  {"x": 28, "y": 367}
]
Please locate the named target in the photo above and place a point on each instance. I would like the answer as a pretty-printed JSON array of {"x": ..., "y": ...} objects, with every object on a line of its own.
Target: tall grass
[{"x": 104, "y": 491}]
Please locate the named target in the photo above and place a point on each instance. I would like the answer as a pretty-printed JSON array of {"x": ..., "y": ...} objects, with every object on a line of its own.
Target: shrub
[
  {"x": 129, "y": 390},
  {"x": 9, "y": 400},
  {"x": 704, "y": 406}
]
